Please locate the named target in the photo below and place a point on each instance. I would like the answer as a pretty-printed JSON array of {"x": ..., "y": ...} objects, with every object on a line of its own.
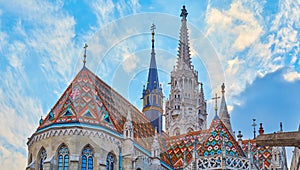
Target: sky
[{"x": 252, "y": 46}]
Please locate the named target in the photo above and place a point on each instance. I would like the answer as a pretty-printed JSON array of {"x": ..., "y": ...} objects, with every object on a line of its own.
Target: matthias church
[{"x": 92, "y": 127}]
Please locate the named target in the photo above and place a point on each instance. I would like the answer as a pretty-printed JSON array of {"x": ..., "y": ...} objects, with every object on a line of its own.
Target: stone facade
[
  {"x": 295, "y": 164},
  {"x": 75, "y": 139}
]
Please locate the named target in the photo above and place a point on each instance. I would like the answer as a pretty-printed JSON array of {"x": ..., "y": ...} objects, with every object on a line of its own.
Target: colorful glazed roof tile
[
  {"x": 206, "y": 143},
  {"x": 181, "y": 148},
  {"x": 219, "y": 136},
  {"x": 88, "y": 100},
  {"x": 262, "y": 155}
]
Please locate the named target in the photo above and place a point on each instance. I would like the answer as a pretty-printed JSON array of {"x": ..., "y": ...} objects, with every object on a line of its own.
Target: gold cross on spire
[
  {"x": 216, "y": 103},
  {"x": 84, "y": 56}
]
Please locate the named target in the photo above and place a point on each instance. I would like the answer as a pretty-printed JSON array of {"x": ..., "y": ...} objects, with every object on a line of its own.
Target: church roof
[
  {"x": 90, "y": 101},
  {"x": 206, "y": 143},
  {"x": 262, "y": 155}
]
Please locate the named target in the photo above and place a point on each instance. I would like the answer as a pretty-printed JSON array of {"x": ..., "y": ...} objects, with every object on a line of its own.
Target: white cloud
[
  {"x": 48, "y": 39},
  {"x": 233, "y": 66},
  {"x": 242, "y": 26},
  {"x": 291, "y": 76},
  {"x": 237, "y": 23},
  {"x": 15, "y": 107},
  {"x": 17, "y": 50},
  {"x": 130, "y": 62},
  {"x": 106, "y": 10}
]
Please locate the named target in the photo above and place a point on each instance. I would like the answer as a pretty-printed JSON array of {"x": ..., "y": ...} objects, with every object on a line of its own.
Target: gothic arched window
[
  {"x": 63, "y": 158},
  {"x": 154, "y": 99},
  {"x": 110, "y": 161},
  {"x": 87, "y": 159},
  {"x": 42, "y": 158},
  {"x": 190, "y": 130}
]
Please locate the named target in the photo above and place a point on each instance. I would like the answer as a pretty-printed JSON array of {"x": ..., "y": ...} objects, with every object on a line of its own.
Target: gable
[{"x": 220, "y": 138}]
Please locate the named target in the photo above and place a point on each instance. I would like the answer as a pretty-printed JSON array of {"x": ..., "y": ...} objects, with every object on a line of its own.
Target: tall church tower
[
  {"x": 152, "y": 95},
  {"x": 186, "y": 107}
]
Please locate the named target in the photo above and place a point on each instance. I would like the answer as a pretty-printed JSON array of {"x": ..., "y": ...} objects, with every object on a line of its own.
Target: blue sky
[{"x": 252, "y": 46}]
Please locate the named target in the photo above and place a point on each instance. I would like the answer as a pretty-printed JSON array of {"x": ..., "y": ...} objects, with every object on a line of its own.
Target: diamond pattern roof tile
[{"x": 89, "y": 100}]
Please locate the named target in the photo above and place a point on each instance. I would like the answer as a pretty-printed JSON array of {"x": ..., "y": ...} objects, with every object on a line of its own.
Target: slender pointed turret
[
  {"x": 153, "y": 82},
  {"x": 223, "y": 114},
  {"x": 128, "y": 126},
  {"x": 152, "y": 95},
  {"x": 184, "y": 57}
]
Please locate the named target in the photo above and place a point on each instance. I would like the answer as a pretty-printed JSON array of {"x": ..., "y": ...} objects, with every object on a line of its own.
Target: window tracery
[
  {"x": 42, "y": 158},
  {"x": 63, "y": 158},
  {"x": 110, "y": 161},
  {"x": 87, "y": 159}
]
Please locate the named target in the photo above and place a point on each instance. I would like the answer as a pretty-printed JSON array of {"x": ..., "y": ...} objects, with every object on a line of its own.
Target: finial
[
  {"x": 216, "y": 104},
  {"x": 254, "y": 125},
  {"x": 51, "y": 115},
  {"x": 153, "y": 27},
  {"x": 239, "y": 135},
  {"x": 201, "y": 86},
  {"x": 261, "y": 129},
  {"x": 41, "y": 120},
  {"x": 184, "y": 12},
  {"x": 84, "y": 56},
  {"x": 223, "y": 88},
  {"x": 281, "y": 130}
]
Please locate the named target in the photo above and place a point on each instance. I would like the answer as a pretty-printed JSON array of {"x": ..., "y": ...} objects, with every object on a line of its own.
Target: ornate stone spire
[
  {"x": 185, "y": 109},
  {"x": 224, "y": 115},
  {"x": 184, "y": 57}
]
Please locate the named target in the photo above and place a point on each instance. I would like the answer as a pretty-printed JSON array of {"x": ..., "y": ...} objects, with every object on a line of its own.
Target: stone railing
[{"x": 220, "y": 162}]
